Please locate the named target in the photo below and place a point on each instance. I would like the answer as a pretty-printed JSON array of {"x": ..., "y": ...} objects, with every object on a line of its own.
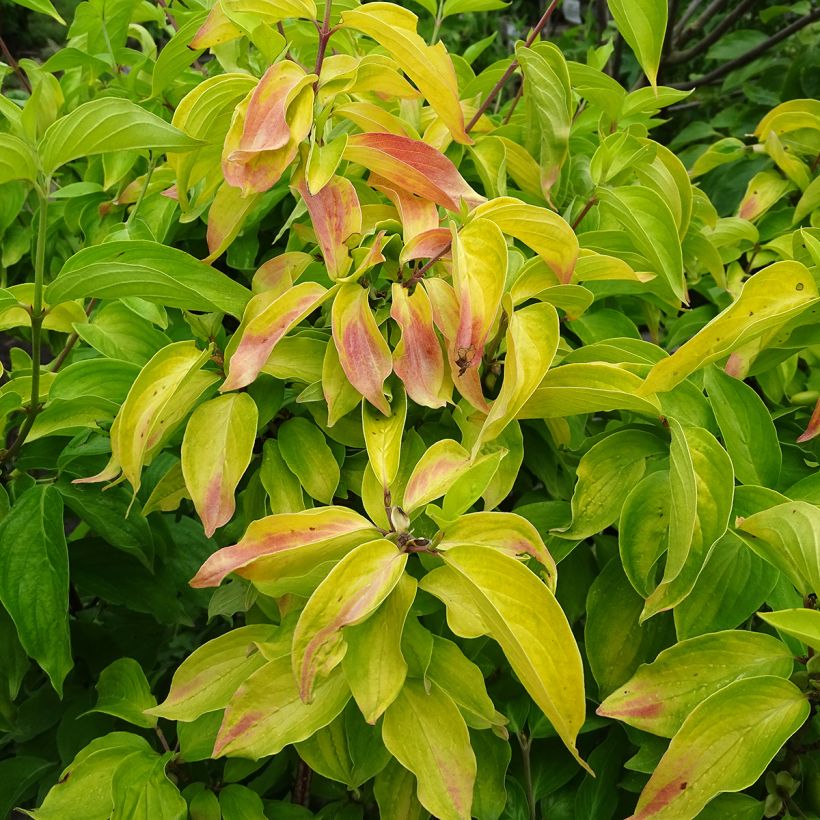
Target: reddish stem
[
  {"x": 584, "y": 211},
  {"x": 324, "y": 35},
  {"x": 15, "y": 66},
  {"x": 539, "y": 26}
]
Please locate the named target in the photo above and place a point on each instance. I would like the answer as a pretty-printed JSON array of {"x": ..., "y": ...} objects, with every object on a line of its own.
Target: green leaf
[
  {"x": 17, "y": 160},
  {"x": 426, "y": 733},
  {"x": 492, "y": 755},
  {"x": 725, "y": 744},
  {"x": 42, "y": 7},
  {"x": 373, "y": 664},
  {"x": 466, "y": 6},
  {"x": 350, "y": 593},
  {"x": 216, "y": 451},
  {"x": 788, "y": 537},
  {"x": 104, "y": 125},
  {"x": 803, "y": 624},
  {"x": 34, "y": 579},
  {"x": 606, "y": 474},
  {"x": 395, "y": 791},
  {"x": 267, "y": 713},
  {"x": 152, "y": 271},
  {"x": 660, "y": 696},
  {"x": 701, "y": 484},
  {"x": 649, "y": 223},
  {"x": 510, "y": 604},
  {"x": 141, "y": 790},
  {"x": 747, "y": 428},
  {"x": 642, "y": 23},
  {"x": 383, "y": 435},
  {"x": 123, "y": 691},
  {"x": 305, "y": 451},
  {"x": 207, "y": 679}
]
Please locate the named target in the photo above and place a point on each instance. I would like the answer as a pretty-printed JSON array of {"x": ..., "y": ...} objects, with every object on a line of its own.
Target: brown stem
[
  {"x": 516, "y": 100},
  {"x": 705, "y": 16},
  {"x": 15, "y": 66},
  {"x": 685, "y": 17},
  {"x": 752, "y": 54},
  {"x": 584, "y": 211},
  {"x": 324, "y": 35},
  {"x": 301, "y": 788},
  {"x": 539, "y": 26},
  {"x": 419, "y": 274}
]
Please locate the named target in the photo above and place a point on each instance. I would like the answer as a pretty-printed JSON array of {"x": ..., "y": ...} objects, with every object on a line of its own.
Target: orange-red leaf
[{"x": 414, "y": 166}]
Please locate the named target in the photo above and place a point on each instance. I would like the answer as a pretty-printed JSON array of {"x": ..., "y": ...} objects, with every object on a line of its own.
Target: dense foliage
[{"x": 392, "y": 433}]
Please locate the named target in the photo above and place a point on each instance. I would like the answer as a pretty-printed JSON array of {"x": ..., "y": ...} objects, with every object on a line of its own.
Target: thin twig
[
  {"x": 419, "y": 274},
  {"x": 15, "y": 66},
  {"x": 706, "y": 15},
  {"x": 584, "y": 211},
  {"x": 715, "y": 34},
  {"x": 301, "y": 788},
  {"x": 171, "y": 21},
  {"x": 539, "y": 26},
  {"x": 324, "y": 35},
  {"x": 686, "y": 16},
  {"x": 752, "y": 54},
  {"x": 516, "y": 100}
]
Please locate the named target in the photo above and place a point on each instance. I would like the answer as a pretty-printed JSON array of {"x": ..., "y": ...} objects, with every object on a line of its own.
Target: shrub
[{"x": 483, "y": 438}]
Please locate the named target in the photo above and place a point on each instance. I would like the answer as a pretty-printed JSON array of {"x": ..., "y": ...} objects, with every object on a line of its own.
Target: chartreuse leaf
[
  {"x": 510, "y": 604},
  {"x": 606, "y": 474},
  {"x": 267, "y": 713},
  {"x": 701, "y": 493},
  {"x": 588, "y": 387},
  {"x": 17, "y": 160},
  {"x": 383, "y": 435},
  {"x": 123, "y": 691},
  {"x": 747, "y": 428},
  {"x": 34, "y": 579},
  {"x": 660, "y": 695},
  {"x": 429, "y": 67},
  {"x": 150, "y": 271},
  {"x": 642, "y": 23},
  {"x": 442, "y": 464},
  {"x": 104, "y": 125},
  {"x": 207, "y": 679},
  {"x": 725, "y": 744},
  {"x": 803, "y": 624},
  {"x": 216, "y": 451},
  {"x": 507, "y": 532},
  {"x": 85, "y": 785},
  {"x": 352, "y": 591},
  {"x": 306, "y": 452},
  {"x": 41, "y": 6},
  {"x": 288, "y": 545},
  {"x": 788, "y": 537},
  {"x": 767, "y": 300},
  {"x": 531, "y": 341},
  {"x": 424, "y": 730},
  {"x": 373, "y": 664},
  {"x": 649, "y": 223},
  {"x": 141, "y": 788}
]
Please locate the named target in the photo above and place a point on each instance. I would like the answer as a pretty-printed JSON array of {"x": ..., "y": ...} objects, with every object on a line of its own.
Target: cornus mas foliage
[{"x": 423, "y": 452}]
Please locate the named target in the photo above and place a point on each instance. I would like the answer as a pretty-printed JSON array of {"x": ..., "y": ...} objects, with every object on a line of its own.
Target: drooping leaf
[
  {"x": 642, "y": 23},
  {"x": 660, "y": 695},
  {"x": 123, "y": 691},
  {"x": 725, "y": 744},
  {"x": 34, "y": 579},
  {"x": 803, "y": 624},
  {"x": 216, "y": 451},
  {"x": 352, "y": 591},
  {"x": 426, "y": 733}
]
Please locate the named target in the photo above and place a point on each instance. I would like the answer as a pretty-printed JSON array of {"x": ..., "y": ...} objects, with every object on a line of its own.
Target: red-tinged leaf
[
  {"x": 267, "y": 127},
  {"x": 506, "y": 532},
  {"x": 418, "y": 358},
  {"x": 216, "y": 29},
  {"x": 352, "y": 591},
  {"x": 545, "y": 232},
  {"x": 279, "y": 273},
  {"x": 479, "y": 274},
  {"x": 445, "y": 306},
  {"x": 225, "y": 219},
  {"x": 813, "y": 428},
  {"x": 363, "y": 352},
  {"x": 432, "y": 244},
  {"x": 265, "y": 322},
  {"x": 437, "y": 470},
  {"x": 277, "y": 534},
  {"x": 417, "y": 215},
  {"x": 336, "y": 215},
  {"x": 414, "y": 166},
  {"x": 429, "y": 67}
]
